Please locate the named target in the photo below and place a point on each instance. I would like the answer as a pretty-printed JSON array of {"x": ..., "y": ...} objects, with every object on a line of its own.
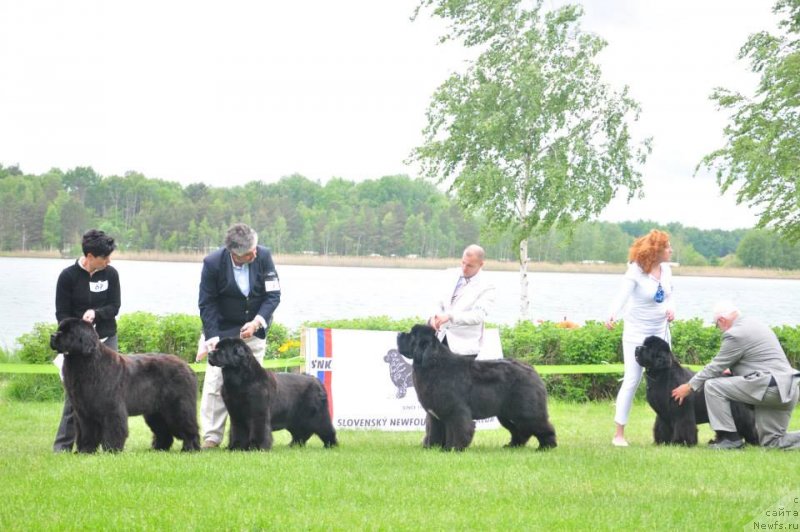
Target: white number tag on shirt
[
  {"x": 98, "y": 286},
  {"x": 272, "y": 286}
]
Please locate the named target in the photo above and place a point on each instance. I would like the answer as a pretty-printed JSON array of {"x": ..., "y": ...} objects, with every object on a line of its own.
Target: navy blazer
[{"x": 223, "y": 307}]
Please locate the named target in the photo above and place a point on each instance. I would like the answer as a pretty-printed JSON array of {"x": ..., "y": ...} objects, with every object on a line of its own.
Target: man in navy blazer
[
  {"x": 239, "y": 292},
  {"x": 760, "y": 376}
]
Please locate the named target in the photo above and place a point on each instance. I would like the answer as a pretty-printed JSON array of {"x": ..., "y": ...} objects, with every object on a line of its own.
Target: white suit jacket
[{"x": 464, "y": 331}]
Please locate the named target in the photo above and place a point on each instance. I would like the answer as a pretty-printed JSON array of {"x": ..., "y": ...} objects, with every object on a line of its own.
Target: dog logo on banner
[
  {"x": 321, "y": 365},
  {"x": 399, "y": 371}
]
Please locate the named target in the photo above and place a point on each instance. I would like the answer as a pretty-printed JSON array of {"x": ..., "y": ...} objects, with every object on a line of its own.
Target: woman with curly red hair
[{"x": 648, "y": 287}]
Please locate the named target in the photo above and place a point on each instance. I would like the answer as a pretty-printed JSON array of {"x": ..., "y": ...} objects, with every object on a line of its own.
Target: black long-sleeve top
[{"x": 77, "y": 292}]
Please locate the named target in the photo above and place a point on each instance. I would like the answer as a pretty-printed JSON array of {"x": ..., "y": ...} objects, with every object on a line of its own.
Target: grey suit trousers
[{"x": 772, "y": 416}]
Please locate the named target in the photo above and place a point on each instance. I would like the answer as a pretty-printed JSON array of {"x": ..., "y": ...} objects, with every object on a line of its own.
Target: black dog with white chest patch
[{"x": 677, "y": 423}]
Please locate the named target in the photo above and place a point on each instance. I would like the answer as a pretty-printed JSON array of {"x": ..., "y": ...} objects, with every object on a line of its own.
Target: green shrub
[
  {"x": 546, "y": 343},
  {"x": 179, "y": 335},
  {"x": 35, "y": 345},
  {"x": 371, "y": 323},
  {"x": 281, "y": 343},
  {"x": 8, "y": 356},
  {"x": 789, "y": 337},
  {"x": 27, "y": 387},
  {"x": 537, "y": 344},
  {"x": 590, "y": 344},
  {"x": 582, "y": 388},
  {"x": 140, "y": 332},
  {"x": 693, "y": 342}
]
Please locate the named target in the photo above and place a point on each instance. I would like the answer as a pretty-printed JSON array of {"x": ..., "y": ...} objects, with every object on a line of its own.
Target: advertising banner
[{"x": 368, "y": 382}]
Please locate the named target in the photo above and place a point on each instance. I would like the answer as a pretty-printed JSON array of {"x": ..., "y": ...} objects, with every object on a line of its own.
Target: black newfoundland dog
[
  {"x": 677, "y": 423},
  {"x": 455, "y": 390},
  {"x": 105, "y": 388},
  {"x": 260, "y": 401}
]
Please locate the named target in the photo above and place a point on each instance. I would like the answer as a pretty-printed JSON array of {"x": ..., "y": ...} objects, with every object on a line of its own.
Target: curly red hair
[{"x": 647, "y": 250}]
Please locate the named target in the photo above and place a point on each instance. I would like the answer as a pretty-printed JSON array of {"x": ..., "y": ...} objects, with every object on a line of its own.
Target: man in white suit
[
  {"x": 760, "y": 376},
  {"x": 464, "y": 305}
]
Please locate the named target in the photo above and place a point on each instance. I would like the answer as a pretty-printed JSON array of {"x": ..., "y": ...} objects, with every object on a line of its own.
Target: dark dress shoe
[{"x": 725, "y": 445}]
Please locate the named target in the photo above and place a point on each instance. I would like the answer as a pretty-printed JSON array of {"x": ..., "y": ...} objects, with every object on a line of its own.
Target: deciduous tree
[
  {"x": 762, "y": 152},
  {"x": 528, "y": 135}
]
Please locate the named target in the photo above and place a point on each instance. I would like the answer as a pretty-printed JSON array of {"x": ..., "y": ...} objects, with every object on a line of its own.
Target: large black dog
[
  {"x": 260, "y": 401},
  {"x": 455, "y": 390},
  {"x": 105, "y": 388},
  {"x": 677, "y": 423}
]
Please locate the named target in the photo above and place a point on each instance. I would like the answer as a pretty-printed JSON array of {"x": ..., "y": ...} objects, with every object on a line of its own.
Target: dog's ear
[
  {"x": 427, "y": 343},
  {"x": 88, "y": 338},
  {"x": 243, "y": 355}
]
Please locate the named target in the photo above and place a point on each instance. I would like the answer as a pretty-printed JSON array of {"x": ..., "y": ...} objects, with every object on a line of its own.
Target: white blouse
[{"x": 644, "y": 316}]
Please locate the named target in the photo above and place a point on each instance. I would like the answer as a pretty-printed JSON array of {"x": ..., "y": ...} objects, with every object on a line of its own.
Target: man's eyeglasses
[
  {"x": 245, "y": 257},
  {"x": 659, "y": 297}
]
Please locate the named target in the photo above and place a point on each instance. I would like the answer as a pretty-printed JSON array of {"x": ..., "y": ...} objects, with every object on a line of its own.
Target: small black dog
[
  {"x": 677, "y": 423},
  {"x": 399, "y": 372}
]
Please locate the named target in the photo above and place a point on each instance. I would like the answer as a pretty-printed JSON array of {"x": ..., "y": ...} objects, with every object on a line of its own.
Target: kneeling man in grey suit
[{"x": 761, "y": 376}]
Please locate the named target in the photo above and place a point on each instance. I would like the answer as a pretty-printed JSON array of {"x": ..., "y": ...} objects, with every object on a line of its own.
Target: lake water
[{"x": 27, "y": 293}]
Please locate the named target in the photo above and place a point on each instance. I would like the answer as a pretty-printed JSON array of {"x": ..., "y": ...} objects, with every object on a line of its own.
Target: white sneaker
[{"x": 619, "y": 442}]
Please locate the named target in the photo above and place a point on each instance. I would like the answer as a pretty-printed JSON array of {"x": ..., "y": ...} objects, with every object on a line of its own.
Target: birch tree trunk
[{"x": 524, "y": 303}]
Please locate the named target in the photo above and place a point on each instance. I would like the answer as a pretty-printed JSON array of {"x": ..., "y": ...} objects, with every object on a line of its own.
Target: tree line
[{"x": 392, "y": 215}]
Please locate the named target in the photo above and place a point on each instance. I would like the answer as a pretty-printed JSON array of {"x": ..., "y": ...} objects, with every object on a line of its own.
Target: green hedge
[
  {"x": 543, "y": 343},
  {"x": 138, "y": 332}
]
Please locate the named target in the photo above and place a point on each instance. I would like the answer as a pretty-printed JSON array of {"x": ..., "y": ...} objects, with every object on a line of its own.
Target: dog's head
[
  {"x": 654, "y": 354},
  {"x": 231, "y": 353},
  {"x": 74, "y": 337},
  {"x": 392, "y": 356},
  {"x": 419, "y": 344}
]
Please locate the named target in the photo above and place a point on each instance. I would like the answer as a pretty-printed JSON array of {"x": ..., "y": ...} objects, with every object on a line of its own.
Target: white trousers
[
  {"x": 630, "y": 382},
  {"x": 212, "y": 408}
]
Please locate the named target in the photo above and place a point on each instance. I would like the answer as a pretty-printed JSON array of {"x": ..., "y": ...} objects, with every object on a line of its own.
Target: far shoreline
[{"x": 435, "y": 264}]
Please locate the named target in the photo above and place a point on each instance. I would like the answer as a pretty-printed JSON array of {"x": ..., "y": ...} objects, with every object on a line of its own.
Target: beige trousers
[{"x": 212, "y": 408}]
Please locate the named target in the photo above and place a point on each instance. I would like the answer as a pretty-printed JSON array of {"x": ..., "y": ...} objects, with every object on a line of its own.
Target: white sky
[{"x": 235, "y": 91}]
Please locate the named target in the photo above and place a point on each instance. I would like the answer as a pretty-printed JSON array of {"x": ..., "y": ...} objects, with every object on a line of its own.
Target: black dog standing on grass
[
  {"x": 455, "y": 390},
  {"x": 105, "y": 388},
  {"x": 247, "y": 389},
  {"x": 677, "y": 423},
  {"x": 260, "y": 401}
]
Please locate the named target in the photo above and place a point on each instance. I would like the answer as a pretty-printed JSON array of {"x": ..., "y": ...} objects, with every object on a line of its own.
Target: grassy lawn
[{"x": 378, "y": 480}]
